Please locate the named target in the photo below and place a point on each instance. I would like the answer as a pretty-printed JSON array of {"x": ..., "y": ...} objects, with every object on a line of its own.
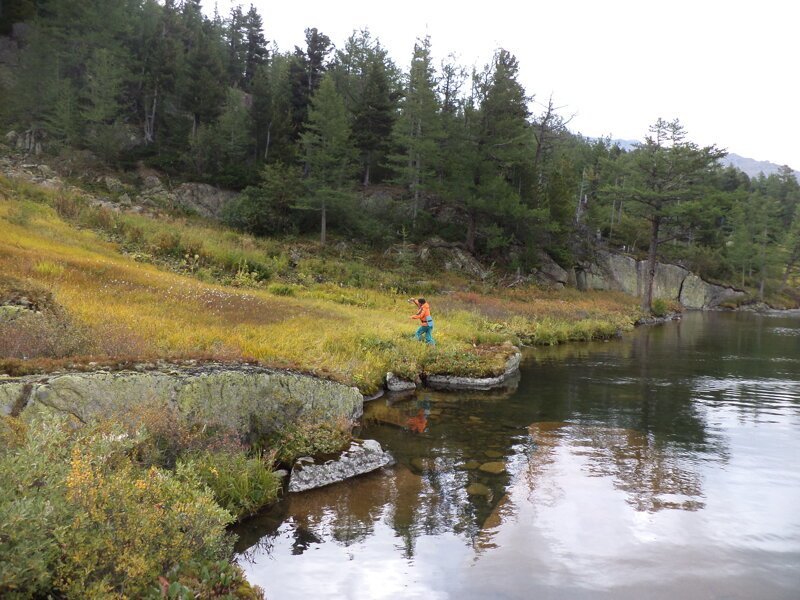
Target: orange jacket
[{"x": 423, "y": 314}]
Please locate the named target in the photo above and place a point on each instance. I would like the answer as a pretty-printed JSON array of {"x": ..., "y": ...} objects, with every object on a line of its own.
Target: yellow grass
[{"x": 353, "y": 335}]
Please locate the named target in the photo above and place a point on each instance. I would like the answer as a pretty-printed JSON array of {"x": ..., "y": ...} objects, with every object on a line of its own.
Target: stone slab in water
[
  {"x": 360, "y": 458},
  {"x": 452, "y": 382}
]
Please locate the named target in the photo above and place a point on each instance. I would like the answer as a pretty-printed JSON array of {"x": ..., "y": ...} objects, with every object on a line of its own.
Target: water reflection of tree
[{"x": 654, "y": 476}]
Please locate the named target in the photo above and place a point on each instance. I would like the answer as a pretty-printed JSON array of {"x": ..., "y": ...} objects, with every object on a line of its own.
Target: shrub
[
  {"x": 241, "y": 485},
  {"x": 80, "y": 519},
  {"x": 659, "y": 307},
  {"x": 43, "y": 335},
  {"x": 166, "y": 243},
  {"x": 309, "y": 439},
  {"x": 280, "y": 289}
]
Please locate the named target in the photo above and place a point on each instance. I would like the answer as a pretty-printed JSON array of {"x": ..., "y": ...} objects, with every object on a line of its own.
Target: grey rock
[
  {"x": 151, "y": 182},
  {"x": 361, "y": 457},
  {"x": 549, "y": 273},
  {"x": 206, "y": 200},
  {"x": 113, "y": 185},
  {"x": 611, "y": 271},
  {"x": 244, "y": 398},
  {"x": 453, "y": 382},
  {"x": 396, "y": 384}
]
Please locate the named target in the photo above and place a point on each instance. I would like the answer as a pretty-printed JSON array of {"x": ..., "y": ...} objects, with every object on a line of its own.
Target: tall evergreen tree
[
  {"x": 373, "y": 119},
  {"x": 664, "y": 172},
  {"x": 329, "y": 151},
  {"x": 418, "y": 130},
  {"x": 255, "y": 46}
]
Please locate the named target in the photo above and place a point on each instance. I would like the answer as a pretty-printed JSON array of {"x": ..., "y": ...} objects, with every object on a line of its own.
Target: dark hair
[{"x": 421, "y": 300}]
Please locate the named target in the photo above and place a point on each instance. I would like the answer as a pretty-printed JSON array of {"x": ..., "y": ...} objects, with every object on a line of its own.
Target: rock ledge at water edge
[
  {"x": 361, "y": 457},
  {"x": 453, "y": 382}
]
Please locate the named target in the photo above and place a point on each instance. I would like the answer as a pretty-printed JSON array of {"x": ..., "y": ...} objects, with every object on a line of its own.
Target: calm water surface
[{"x": 663, "y": 465}]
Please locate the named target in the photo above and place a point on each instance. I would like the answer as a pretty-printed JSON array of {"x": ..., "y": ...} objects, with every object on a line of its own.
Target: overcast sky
[{"x": 729, "y": 70}]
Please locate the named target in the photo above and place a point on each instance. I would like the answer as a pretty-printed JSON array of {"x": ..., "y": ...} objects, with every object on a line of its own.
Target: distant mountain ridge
[{"x": 750, "y": 166}]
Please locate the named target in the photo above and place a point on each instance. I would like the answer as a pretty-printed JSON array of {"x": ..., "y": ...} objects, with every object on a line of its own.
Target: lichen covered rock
[
  {"x": 361, "y": 457},
  {"x": 245, "y": 398}
]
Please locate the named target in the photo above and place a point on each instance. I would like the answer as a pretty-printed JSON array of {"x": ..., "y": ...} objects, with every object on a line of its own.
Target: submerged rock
[
  {"x": 493, "y": 468},
  {"x": 361, "y": 457},
  {"x": 478, "y": 489}
]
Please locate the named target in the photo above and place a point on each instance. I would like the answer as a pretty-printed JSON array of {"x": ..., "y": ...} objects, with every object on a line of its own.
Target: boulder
[
  {"x": 452, "y": 257},
  {"x": 668, "y": 281},
  {"x": 396, "y": 384},
  {"x": 493, "y": 468},
  {"x": 360, "y": 458},
  {"x": 113, "y": 185},
  {"x": 206, "y": 200},
  {"x": 550, "y": 273},
  {"x": 244, "y": 398},
  {"x": 694, "y": 292},
  {"x": 152, "y": 182}
]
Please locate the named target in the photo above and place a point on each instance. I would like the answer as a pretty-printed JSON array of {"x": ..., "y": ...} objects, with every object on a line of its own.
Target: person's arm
[{"x": 419, "y": 309}]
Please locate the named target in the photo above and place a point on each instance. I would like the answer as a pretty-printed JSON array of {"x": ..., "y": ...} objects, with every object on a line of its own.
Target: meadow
[{"x": 170, "y": 287}]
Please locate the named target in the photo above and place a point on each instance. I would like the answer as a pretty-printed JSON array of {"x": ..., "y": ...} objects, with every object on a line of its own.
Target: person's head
[{"x": 421, "y": 300}]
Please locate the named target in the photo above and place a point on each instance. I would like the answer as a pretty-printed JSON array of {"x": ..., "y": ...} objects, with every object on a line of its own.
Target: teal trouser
[{"x": 427, "y": 330}]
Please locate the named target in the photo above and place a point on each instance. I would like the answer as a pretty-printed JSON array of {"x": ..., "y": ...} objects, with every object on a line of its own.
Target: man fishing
[{"x": 425, "y": 320}]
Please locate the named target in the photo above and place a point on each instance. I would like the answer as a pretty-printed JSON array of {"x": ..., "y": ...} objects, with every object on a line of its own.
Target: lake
[{"x": 661, "y": 465}]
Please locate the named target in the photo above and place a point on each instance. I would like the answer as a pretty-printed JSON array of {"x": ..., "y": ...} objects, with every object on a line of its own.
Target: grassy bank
[{"x": 136, "y": 286}]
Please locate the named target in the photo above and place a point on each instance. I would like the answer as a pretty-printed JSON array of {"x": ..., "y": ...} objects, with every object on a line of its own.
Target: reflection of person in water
[{"x": 419, "y": 422}]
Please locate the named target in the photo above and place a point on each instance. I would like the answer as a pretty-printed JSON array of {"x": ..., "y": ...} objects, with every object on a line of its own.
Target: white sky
[{"x": 727, "y": 69}]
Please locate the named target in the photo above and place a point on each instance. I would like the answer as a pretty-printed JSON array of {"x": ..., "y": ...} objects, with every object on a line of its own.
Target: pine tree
[
  {"x": 373, "y": 119},
  {"x": 256, "y": 46},
  {"x": 665, "y": 172},
  {"x": 418, "y": 130},
  {"x": 329, "y": 151}
]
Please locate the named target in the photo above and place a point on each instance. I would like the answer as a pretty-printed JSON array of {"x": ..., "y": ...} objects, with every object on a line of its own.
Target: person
[{"x": 425, "y": 320}]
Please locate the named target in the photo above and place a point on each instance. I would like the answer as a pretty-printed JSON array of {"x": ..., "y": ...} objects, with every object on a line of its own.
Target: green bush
[
  {"x": 240, "y": 484},
  {"x": 659, "y": 307},
  {"x": 80, "y": 518},
  {"x": 309, "y": 439}
]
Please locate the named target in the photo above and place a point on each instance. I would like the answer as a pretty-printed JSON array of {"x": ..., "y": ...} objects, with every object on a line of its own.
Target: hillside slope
[{"x": 318, "y": 314}]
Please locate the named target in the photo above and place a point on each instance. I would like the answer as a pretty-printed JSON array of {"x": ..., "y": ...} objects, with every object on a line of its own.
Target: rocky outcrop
[
  {"x": 451, "y": 257},
  {"x": 453, "y": 382},
  {"x": 245, "y": 398},
  {"x": 206, "y": 200},
  {"x": 611, "y": 271},
  {"x": 549, "y": 273},
  {"x": 360, "y": 458}
]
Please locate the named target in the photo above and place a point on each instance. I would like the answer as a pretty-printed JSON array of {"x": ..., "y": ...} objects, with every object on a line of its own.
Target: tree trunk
[
  {"x": 150, "y": 121},
  {"x": 269, "y": 139},
  {"x": 366, "y": 174},
  {"x": 323, "y": 223},
  {"x": 647, "y": 296},
  {"x": 471, "y": 228}
]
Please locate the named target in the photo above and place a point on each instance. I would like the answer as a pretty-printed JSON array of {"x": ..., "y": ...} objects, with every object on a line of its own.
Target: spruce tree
[{"x": 329, "y": 151}]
